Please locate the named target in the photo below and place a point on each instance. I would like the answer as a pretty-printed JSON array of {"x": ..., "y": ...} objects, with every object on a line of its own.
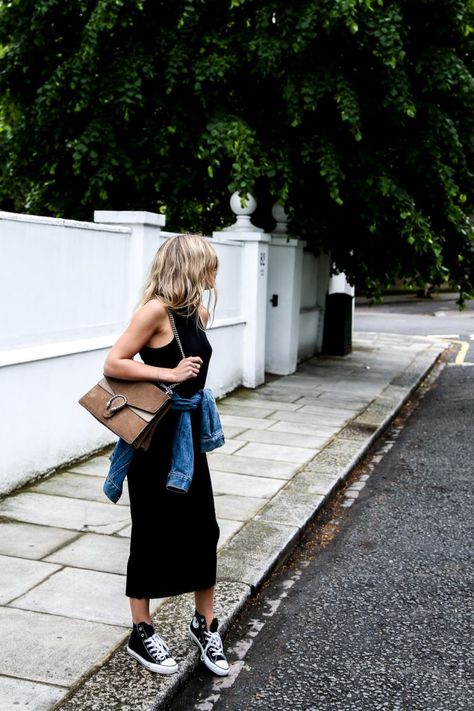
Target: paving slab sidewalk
[{"x": 63, "y": 547}]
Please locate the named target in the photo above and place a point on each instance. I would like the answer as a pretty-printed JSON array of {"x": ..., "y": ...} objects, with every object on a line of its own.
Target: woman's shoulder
[{"x": 153, "y": 311}]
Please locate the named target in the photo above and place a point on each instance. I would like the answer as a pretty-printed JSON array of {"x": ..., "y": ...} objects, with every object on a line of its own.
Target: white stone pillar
[
  {"x": 146, "y": 238},
  {"x": 254, "y": 288},
  {"x": 285, "y": 268}
]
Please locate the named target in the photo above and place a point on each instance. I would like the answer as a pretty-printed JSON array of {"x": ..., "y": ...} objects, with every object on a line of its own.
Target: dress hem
[{"x": 181, "y": 591}]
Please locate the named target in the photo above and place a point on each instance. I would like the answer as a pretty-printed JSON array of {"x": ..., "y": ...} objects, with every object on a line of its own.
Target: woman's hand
[{"x": 187, "y": 368}]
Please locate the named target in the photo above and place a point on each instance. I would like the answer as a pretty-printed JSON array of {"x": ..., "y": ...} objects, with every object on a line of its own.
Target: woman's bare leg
[
  {"x": 140, "y": 607},
  {"x": 204, "y": 600}
]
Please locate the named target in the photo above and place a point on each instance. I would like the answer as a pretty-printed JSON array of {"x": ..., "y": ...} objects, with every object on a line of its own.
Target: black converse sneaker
[
  {"x": 210, "y": 643},
  {"x": 150, "y": 650}
]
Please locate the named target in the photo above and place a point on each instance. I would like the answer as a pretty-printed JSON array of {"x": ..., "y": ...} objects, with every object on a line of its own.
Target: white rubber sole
[
  {"x": 209, "y": 664},
  {"x": 156, "y": 668}
]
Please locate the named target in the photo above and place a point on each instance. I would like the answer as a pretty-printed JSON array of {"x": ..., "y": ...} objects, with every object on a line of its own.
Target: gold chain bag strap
[{"x": 131, "y": 409}]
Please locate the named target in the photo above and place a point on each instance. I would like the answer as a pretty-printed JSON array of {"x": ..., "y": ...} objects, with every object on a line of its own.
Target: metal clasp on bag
[
  {"x": 112, "y": 410},
  {"x": 167, "y": 389}
]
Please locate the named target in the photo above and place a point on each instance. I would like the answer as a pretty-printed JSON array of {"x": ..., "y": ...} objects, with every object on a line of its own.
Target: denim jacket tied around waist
[{"x": 182, "y": 451}]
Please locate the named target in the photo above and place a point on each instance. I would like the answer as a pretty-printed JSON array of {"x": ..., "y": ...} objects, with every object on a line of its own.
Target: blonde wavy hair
[{"x": 182, "y": 270}]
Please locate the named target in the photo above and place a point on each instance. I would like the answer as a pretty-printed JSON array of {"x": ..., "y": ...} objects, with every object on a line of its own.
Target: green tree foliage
[{"x": 358, "y": 115}]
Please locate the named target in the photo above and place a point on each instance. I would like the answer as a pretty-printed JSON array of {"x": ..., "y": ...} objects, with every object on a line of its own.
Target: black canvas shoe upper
[
  {"x": 210, "y": 643},
  {"x": 146, "y": 643}
]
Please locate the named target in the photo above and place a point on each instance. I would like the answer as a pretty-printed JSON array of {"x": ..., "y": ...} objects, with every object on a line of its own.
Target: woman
[{"x": 174, "y": 535}]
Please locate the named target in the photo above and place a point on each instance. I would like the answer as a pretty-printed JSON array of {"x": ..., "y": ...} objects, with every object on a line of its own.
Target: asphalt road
[
  {"x": 375, "y": 610},
  {"x": 425, "y": 317}
]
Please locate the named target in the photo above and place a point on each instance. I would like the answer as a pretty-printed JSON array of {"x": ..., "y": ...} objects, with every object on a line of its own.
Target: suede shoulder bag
[{"x": 131, "y": 409}]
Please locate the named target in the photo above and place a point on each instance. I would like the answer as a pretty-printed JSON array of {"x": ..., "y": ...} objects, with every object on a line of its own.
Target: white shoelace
[
  {"x": 157, "y": 647},
  {"x": 214, "y": 644}
]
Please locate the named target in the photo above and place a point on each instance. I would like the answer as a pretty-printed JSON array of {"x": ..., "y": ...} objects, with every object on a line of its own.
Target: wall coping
[
  {"x": 130, "y": 217},
  {"x": 60, "y": 222},
  {"x": 243, "y": 235}
]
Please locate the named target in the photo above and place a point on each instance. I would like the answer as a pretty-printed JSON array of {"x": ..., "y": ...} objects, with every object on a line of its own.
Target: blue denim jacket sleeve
[
  {"x": 211, "y": 436},
  {"x": 120, "y": 461}
]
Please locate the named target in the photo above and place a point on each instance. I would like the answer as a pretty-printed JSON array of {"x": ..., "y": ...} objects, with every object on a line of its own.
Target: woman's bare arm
[{"x": 148, "y": 320}]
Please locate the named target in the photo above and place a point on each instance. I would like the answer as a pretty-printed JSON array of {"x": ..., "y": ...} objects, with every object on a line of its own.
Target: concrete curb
[{"x": 245, "y": 562}]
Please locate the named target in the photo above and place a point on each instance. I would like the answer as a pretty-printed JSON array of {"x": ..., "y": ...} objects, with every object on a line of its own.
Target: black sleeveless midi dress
[{"x": 173, "y": 546}]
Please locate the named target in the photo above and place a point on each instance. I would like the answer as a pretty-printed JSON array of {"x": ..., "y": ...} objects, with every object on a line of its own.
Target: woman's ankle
[
  {"x": 204, "y": 604},
  {"x": 140, "y": 610}
]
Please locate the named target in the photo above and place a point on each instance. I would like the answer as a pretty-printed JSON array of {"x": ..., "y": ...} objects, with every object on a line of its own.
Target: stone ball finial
[
  {"x": 242, "y": 222},
  {"x": 237, "y": 207},
  {"x": 281, "y": 219}
]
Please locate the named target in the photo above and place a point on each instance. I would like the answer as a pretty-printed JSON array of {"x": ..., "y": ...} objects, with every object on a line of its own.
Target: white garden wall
[{"x": 67, "y": 290}]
